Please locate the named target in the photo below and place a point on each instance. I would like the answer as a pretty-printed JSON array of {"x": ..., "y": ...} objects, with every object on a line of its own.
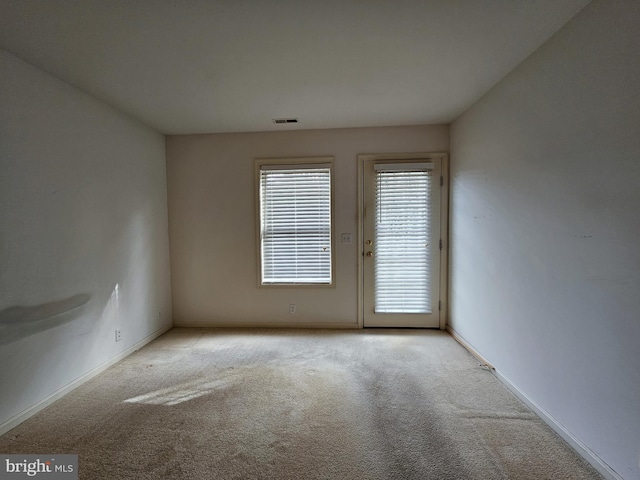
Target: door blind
[
  {"x": 295, "y": 211},
  {"x": 402, "y": 258}
]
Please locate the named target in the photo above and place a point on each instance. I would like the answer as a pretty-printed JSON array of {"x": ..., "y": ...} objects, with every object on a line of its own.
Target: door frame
[{"x": 444, "y": 226}]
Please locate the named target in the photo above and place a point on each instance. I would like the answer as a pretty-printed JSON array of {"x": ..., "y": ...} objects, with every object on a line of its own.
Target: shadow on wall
[{"x": 20, "y": 322}]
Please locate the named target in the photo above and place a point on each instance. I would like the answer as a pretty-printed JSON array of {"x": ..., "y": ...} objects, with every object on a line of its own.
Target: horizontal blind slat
[
  {"x": 296, "y": 224},
  {"x": 403, "y": 228}
]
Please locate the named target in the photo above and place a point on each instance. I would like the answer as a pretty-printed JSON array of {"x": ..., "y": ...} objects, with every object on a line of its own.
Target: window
[
  {"x": 402, "y": 234},
  {"x": 295, "y": 221}
]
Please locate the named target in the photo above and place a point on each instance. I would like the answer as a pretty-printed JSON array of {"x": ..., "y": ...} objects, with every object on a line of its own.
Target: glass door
[{"x": 401, "y": 248}]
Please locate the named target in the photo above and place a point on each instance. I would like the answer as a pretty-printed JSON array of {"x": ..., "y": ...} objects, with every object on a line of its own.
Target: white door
[{"x": 401, "y": 242}]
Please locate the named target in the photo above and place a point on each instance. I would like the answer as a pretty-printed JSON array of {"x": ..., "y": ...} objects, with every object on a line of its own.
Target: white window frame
[{"x": 291, "y": 163}]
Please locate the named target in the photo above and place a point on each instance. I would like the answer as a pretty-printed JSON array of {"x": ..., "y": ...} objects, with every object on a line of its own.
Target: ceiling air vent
[{"x": 285, "y": 120}]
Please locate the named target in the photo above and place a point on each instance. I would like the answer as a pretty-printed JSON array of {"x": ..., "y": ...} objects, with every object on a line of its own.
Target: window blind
[
  {"x": 295, "y": 210},
  {"x": 402, "y": 258}
]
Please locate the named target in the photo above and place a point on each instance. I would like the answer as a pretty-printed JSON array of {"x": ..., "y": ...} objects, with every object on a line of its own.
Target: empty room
[{"x": 294, "y": 239}]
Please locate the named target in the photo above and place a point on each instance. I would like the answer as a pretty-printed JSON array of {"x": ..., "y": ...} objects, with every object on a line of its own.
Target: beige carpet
[{"x": 293, "y": 404}]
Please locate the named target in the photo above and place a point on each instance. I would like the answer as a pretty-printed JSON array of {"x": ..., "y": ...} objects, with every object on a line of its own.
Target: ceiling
[{"x": 204, "y": 66}]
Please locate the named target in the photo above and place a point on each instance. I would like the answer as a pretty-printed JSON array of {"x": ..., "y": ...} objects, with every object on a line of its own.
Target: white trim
[
  {"x": 405, "y": 167},
  {"x": 444, "y": 224},
  {"x": 295, "y": 166},
  {"x": 293, "y": 163},
  {"x": 469, "y": 348},
  {"x": 444, "y": 235},
  {"x": 61, "y": 392},
  {"x": 279, "y": 325},
  {"x": 321, "y": 159},
  {"x": 360, "y": 241},
  {"x": 581, "y": 449}
]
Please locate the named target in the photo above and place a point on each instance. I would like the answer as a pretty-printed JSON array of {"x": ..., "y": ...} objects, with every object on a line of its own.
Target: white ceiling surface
[{"x": 204, "y": 66}]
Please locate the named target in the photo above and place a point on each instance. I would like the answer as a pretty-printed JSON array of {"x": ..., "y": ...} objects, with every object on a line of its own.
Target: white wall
[
  {"x": 83, "y": 235},
  {"x": 213, "y": 231},
  {"x": 545, "y": 228}
]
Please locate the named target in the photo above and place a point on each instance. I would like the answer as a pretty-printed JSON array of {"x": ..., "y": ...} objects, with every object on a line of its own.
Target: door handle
[{"x": 369, "y": 254}]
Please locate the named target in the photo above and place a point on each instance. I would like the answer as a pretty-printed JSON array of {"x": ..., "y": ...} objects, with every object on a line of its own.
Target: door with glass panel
[{"x": 401, "y": 242}]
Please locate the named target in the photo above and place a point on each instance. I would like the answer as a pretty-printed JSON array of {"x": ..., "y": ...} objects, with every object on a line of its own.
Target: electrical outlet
[
  {"x": 292, "y": 308},
  {"x": 345, "y": 238},
  {"x": 118, "y": 335}
]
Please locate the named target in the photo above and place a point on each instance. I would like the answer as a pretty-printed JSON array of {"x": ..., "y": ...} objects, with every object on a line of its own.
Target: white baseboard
[
  {"x": 585, "y": 452},
  {"x": 469, "y": 347},
  {"x": 61, "y": 392},
  {"x": 332, "y": 326}
]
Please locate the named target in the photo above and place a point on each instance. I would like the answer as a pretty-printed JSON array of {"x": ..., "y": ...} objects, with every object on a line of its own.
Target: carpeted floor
[{"x": 299, "y": 404}]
